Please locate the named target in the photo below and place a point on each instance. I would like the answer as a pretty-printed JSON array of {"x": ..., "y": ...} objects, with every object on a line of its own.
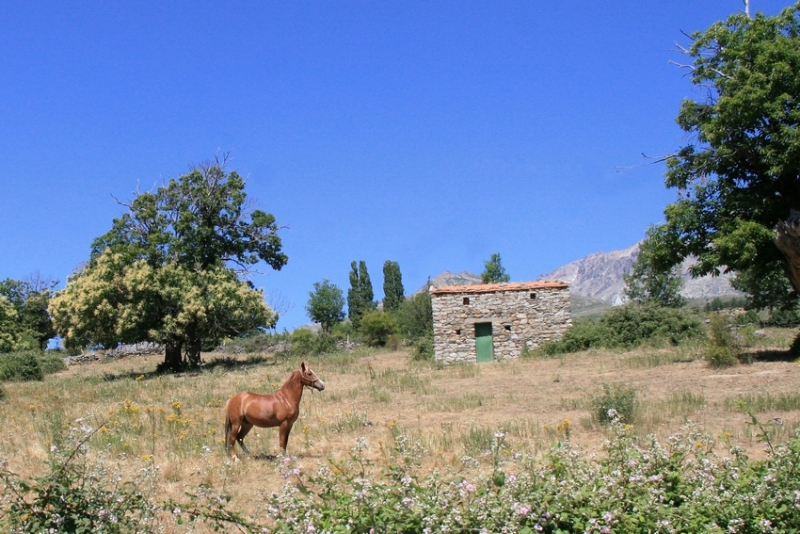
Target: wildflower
[
  {"x": 608, "y": 517},
  {"x": 176, "y": 511},
  {"x": 499, "y": 435}
]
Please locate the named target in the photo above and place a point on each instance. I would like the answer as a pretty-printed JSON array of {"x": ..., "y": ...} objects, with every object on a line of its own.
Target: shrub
[
  {"x": 377, "y": 327},
  {"x": 302, "y": 342},
  {"x": 748, "y": 317},
  {"x": 422, "y": 349},
  {"x": 51, "y": 362},
  {"x": 616, "y": 403},
  {"x": 784, "y": 318},
  {"x": 723, "y": 347},
  {"x": 20, "y": 366},
  {"x": 627, "y": 327}
]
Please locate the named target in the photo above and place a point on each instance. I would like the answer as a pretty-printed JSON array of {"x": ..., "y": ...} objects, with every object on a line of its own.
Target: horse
[{"x": 281, "y": 408}]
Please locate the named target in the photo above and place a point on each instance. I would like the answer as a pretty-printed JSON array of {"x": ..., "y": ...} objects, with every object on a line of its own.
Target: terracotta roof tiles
[{"x": 494, "y": 288}]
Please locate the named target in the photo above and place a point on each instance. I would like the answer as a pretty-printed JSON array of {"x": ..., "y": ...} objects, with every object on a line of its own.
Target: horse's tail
[{"x": 228, "y": 426}]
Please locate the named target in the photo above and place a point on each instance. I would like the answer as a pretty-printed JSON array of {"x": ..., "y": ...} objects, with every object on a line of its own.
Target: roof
[{"x": 495, "y": 288}]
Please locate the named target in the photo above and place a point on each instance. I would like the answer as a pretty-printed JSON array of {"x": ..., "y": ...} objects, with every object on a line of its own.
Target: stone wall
[{"x": 521, "y": 314}]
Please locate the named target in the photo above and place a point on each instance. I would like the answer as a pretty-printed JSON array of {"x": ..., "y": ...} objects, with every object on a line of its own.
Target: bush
[
  {"x": 616, "y": 403},
  {"x": 255, "y": 341},
  {"x": 377, "y": 327},
  {"x": 51, "y": 362},
  {"x": 784, "y": 318},
  {"x": 628, "y": 327},
  {"x": 422, "y": 349},
  {"x": 302, "y": 342},
  {"x": 723, "y": 348},
  {"x": 20, "y": 366}
]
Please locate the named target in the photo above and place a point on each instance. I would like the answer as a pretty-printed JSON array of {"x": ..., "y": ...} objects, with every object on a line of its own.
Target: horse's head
[{"x": 309, "y": 378}]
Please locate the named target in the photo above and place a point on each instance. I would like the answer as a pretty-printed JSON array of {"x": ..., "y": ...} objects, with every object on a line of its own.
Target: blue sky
[{"x": 428, "y": 133}]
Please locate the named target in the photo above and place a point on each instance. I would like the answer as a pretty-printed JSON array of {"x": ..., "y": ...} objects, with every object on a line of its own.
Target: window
[
  {"x": 533, "y": 296},
  {"x": 458, "y": 332},
  {"x": 466, "y": 300},
  {"x": 507, "y": 327}
]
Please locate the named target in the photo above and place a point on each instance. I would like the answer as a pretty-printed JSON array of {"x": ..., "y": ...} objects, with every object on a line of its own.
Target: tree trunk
[
  {"x": 193, "y": 352},
  {"x": 173, "y": 359},
  {"x": 788, "y": 241}
]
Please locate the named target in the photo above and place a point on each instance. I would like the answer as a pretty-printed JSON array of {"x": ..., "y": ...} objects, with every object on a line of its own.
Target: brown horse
[{"x": 245, "y": 410}]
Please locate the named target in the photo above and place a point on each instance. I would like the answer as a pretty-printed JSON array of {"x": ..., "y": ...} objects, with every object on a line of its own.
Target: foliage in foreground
[
  {"x": 627, "y": 327},
  {"x": 682, "y": 485}
]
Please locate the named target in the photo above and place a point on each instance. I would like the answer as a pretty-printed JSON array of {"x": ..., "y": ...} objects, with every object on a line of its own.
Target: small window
[
  {"x": 507, "y": 327},
  {"x": 458, "y": 332},
  {"x": 533, "y": 296},
  {"x": 466, "y": 300}
]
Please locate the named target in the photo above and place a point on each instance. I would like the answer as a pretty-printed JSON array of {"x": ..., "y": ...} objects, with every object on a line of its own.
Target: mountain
[
  {"x": 595, "y": 282},
  {"x": 599, "y": 276}
]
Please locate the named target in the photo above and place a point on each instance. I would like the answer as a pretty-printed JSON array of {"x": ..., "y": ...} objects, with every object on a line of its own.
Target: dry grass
[{"x": 177, "y": 421}]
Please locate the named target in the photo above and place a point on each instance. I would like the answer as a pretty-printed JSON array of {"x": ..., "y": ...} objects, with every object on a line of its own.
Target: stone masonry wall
[{"x": 529, "y": 316}]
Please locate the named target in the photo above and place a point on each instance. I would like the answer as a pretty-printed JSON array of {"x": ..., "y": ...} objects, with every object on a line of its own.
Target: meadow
[{"x": 383, "y": 414}]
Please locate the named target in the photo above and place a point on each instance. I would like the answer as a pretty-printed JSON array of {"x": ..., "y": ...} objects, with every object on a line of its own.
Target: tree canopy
[
  {"x": 494, "y": 271},
  {"x": 393, "y": 290},
  {"x": 360, "y": 295},
  {"x": 738, "y": 176},
  {"x": 646, "y": 283},
  {"x": 326, "y": 305},
  {"x": 168, "y": 270},
  {"x": 28, "y": 324}
]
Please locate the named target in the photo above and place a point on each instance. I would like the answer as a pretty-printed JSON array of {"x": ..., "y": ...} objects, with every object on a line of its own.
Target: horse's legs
[
  {"x": 285, "y": 429},
  {"x": 230, "y": 439},
  {"x": 245, "y": 428}
]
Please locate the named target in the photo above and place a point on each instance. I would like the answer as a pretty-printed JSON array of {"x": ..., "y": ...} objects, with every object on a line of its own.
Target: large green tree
[
  {"x": 326, "y": 305},
  {"x": 393, "y": 290},
  {"x": 493, "y": 271},
  {"x": 360, "y": 295},
  {"x": 30, "y": 298},
  {"x": 738, "y": 175},
  {"x": 169, "y": 270}
]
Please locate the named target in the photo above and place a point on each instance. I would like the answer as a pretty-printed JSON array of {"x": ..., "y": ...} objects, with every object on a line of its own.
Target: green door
[{"x": 483, "y": 342}]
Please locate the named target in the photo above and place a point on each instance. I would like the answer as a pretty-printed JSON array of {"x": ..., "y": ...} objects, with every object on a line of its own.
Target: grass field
[{"x": 175, "y": 422}]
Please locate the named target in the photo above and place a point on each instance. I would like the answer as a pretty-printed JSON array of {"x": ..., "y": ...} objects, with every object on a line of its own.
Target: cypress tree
[
  {"x": 392, "y": 286},
  {"x": 360, "y": 295}
]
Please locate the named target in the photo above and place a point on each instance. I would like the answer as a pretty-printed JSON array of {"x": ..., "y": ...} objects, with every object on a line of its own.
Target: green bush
[
  {"x": 784, "y": 318},
  {"x": 422, "y": 349},
  {"x": 51, "y": 362},
  {"x": 254, "y": 341},
  {"x": 616, "y": 403},
  {"x": 627, "y": 327},
  {"x": 377, "y": 327},
  {"x": 723, "y": 347},
  {"x": 20, "y": 366},
  {"x": 748, "y": 317},
  {"x": 302, "y": 342}
]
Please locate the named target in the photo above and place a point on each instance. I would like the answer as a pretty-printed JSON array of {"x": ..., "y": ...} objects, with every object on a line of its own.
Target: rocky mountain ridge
[{"x": 598, "y": 276}]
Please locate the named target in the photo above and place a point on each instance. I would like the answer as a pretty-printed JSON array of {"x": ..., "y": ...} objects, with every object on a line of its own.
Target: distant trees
[
  {"x": 393, "y": 291},
  {"x": 326, "y": 305},
  {"x": 24, "y": 320},
  {"x": 360, "y": 295},
  {"x": 494, "y": 271},
  {"x": 649, "y": 283},
  {"x": 168, "y": 270}
]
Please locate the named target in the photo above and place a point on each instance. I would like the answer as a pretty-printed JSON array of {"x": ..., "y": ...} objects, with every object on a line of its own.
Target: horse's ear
[{"x": 303, "y": 366}]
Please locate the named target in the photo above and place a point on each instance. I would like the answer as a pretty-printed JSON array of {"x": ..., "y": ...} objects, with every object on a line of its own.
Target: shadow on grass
[
  {"x": 227, "y": 363},
  {"x": 772, "y": 356}
]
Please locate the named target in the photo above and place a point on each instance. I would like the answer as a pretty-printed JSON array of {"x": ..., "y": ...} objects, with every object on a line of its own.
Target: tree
[
  {"x": 415, "y": 317},
  {"x": 168, "y": 270},
  {"x": 647, "y": 283},
  {"x": 392, "y": 286},
  {"x": 30, "y": 299},
  {"x": 377, "y": 327},
  {"x": 738, "y": 177},
  {"x": 494, "y": 271},
  {"x": 8, "y": 325},
  {"x": 360, "y": 295},
  {"x": 326, "y": 305}
]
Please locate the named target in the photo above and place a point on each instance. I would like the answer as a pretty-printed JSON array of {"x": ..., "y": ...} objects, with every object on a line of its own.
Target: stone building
[{"x": 485, "y": 322}]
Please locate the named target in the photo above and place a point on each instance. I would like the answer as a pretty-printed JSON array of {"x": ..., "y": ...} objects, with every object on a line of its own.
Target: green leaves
[
  {"x": 739, "y": 174},
  {"x": 493, "y": 271},
  {"x": 326, "y": 304},
  {"x": 165, "y": 271}
]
